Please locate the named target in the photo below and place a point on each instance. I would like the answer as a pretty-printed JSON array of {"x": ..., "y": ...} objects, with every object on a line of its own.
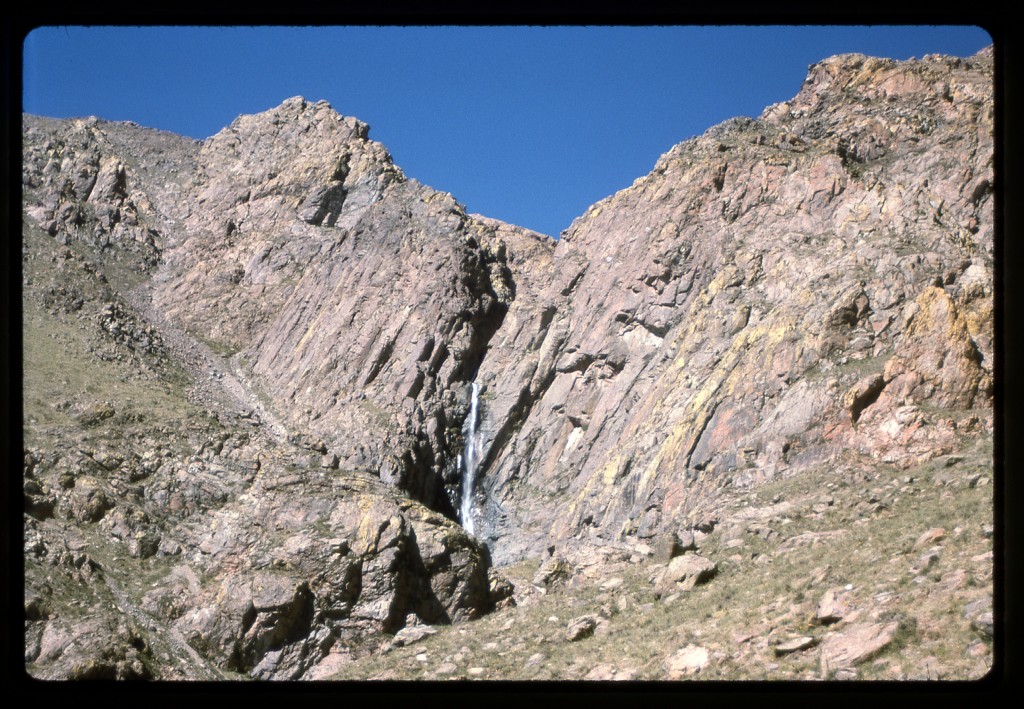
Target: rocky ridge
[
  {"x": 249, "y": 363},
  {"x": 774, "y": 292}
]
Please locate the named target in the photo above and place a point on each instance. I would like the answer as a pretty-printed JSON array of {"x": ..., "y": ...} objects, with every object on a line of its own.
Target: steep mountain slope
[
  {"x": 259, "y": 370},
  {"x": 361, "y": 299},
  {"x": 260, "y": 553},
  {"x": 775, "y": 293}
]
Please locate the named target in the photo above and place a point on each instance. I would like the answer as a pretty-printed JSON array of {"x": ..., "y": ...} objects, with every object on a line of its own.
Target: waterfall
[{"x": 469, "y": 459}]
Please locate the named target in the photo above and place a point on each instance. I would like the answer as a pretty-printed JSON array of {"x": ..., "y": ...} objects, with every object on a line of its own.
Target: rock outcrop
[
  {"x": 298, "y": 535},
  {"x": 773, "y": 293},
  {"x": 361, "y": 303},
  {"x": 250, "y": 362}
]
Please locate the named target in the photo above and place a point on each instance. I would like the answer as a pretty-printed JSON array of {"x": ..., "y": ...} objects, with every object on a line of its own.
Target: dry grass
[
  {"x": 61, "y": 370},
  {"x": 765, "y": 592}
]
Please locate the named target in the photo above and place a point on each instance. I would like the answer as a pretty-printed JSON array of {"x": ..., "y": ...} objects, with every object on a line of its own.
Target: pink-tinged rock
[
  {"x": 687, "y": 662},
  {"x": 690, "y": 335},
  {"x": 863, "y": 394},
  {"x": 686, "y": 571},
  {"x": 797, "y": 644},
  {"x": 580, "y": 628},
  {"x": 832, "y": 607},
  {"x": 855, "y": 645},
  {"x": 330, "y": 665},
  {"x": 932, "y": 536},
  {"x": 412, "y": 634},
  {"x": 937, "y": 359}
]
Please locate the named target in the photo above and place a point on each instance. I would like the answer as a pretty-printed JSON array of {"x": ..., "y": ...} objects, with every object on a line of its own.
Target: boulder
[
  {"x": 833, "y": 606},
  {"x": 979, "y": 614},
  {"x": 856, "y": 645},
  {"x": 686, "y": 662},
  {"x": 685, "y": 572},
  {"x": 580, "y": 628},
  {"x": 412, "y": 634},
  {"x": 787, "y": 647}
]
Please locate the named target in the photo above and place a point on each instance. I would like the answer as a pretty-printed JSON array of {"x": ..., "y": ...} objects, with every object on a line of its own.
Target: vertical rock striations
[
  {"x": 362, "y": 301},
  {"x": 357, "y": 304},
  {"x": 774, "y": 292},
  {"x": 293, "y": 342}
]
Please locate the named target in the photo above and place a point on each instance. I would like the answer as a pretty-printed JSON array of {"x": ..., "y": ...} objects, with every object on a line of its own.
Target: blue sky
[{"x": 530, "y": 125}]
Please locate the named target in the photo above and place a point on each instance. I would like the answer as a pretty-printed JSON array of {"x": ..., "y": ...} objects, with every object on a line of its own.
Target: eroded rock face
[
  {"x": 306, "y": 324},
  {"x": 360, "y": 303},
  {"x": 773, "y": 292},
  {"x": 272, "y": 539},
  {"x": 83, "y": 185},
  {"x": 66, "y": 649}
]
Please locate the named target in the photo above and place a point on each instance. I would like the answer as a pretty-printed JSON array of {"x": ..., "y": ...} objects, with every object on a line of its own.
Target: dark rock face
[{"x": 285, "y": 331}]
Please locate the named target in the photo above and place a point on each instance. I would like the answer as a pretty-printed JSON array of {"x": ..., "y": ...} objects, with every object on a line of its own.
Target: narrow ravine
[{"x": 214, "y": 378}]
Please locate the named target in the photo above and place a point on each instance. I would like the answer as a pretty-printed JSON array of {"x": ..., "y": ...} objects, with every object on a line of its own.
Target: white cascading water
[{"x": 469, "y": 459}]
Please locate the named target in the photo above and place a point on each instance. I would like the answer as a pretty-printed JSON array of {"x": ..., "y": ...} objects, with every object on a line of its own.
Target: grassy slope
[
  {"x": 60, "y": 362},
  {"x": 765, "y": 592}
]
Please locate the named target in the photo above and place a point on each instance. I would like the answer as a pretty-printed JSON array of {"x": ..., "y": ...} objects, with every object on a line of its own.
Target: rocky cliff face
[
  {"x": 776, "y": 292},
  {"x": 359, "y": 306},
  {"x": 248, "y": 457},
  {"x": 363, "y": 301}
]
